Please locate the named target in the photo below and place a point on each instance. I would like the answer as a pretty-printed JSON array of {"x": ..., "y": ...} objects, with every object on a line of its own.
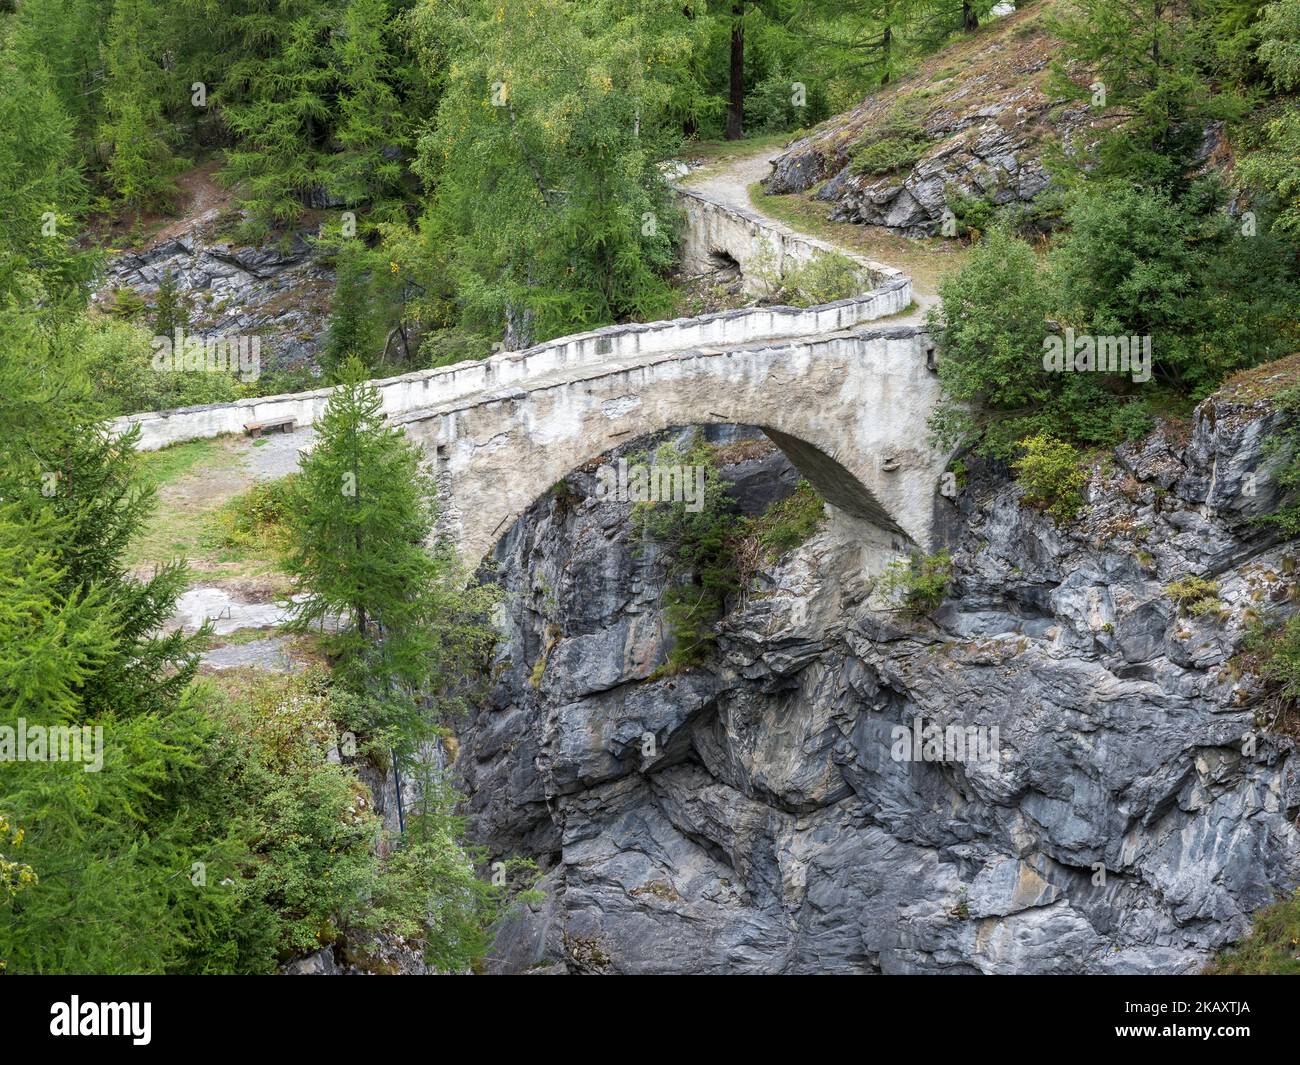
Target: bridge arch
[{"x": 848, "y": 408}]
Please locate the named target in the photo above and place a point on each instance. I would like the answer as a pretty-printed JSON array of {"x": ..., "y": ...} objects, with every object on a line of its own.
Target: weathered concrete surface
[{"x": 849, "y": 409}]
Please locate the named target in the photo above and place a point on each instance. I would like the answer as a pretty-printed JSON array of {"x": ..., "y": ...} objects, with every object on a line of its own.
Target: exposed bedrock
[{"x": 765, "y": 826}]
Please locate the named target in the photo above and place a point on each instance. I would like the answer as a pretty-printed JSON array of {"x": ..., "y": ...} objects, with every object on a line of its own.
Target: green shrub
[
  {"x": 1283, "y": 451},
  {"x": 789, "y": 522},
  {"x": 120, "y": 362},
  {"x": 975, "y": 215},
  {"x": 920, "y": 583},
  {"x": 989, "y": 334},
  {"x": 256, "y": 519},
  {"x": 889, "y": 154},
  {"x": 825, "y": 279},
  {"x": 1132, "y": 263},
  {"x": 1278, "y": 652},
  {"x": 1050, "y": 473},
  {"x": 125, "y": 303},
  {"x": 1194, "y": 595},
  {"x": 770, "y": 107},
  {"x": 303, "y": 869},
  {"x": 697, "y": 556},
  {"x": 1138, "y": 263},
  {"x": 896, "y": 143}
]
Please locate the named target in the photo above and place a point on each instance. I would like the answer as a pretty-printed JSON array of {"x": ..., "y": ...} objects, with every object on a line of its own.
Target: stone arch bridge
[{"x": 845, "y": 395}]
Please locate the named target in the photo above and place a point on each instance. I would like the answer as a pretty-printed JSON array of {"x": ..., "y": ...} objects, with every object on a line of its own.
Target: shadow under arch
[{"x": 836, "y": 484}]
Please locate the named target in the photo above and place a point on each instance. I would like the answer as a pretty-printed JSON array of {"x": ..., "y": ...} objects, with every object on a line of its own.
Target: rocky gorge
[{"x": 748, "y": 817}]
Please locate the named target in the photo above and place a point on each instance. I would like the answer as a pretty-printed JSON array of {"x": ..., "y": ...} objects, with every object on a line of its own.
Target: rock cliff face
[
  {"x": 979, "y": 115},
  {"x": 753, "y": 817}
]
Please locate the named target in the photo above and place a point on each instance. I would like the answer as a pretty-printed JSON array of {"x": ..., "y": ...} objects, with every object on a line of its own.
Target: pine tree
[
  {"x": 278, "y": 103},
  {"x": 352, "y": 332},
  {"x": 41, "y": 191},
  {"x": 169, "y": 312},
  {"x": 550, "y": 205},
  {"x": 1144, "y": 60},
  {"x": 361, "y": 522},
  {"x": 857, "y": 36},
  {"x": 372, "y": 131},
  {"x": 1276, "y": 165},
  {"x": 77, "y": 648},
  {"x": 61, "y": 463},
  {"x": 141, "y": 167}
]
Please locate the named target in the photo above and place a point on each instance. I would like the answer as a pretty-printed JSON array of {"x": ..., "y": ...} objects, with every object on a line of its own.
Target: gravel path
[
  {"x": 271, "y": 457},
  {"x": 730, "y": 186}
]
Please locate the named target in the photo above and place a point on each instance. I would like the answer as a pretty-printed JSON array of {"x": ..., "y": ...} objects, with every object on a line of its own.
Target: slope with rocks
[{"x": 972, "y": 120}]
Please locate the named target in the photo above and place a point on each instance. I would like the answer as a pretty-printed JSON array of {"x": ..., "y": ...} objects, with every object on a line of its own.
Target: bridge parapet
[
  {"x": 711, "y": 226},
  {"x": 714, "y": 228},
  {"x": 426, "y": 388}
]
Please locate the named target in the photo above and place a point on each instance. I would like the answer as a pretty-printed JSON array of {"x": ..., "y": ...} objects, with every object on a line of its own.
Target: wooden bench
[{"x": 284, "y": 425}]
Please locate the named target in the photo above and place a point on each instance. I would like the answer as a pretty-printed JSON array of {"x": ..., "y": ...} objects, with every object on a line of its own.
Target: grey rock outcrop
[
  {"x": 983, "y": 112},
  {"x": 752, "y": 816},
  {"x": 280, "y": 293}
]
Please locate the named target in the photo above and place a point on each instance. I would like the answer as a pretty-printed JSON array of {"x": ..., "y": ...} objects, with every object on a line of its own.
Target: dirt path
[
  {"x": 730, "y": 185},
  {"x": 237, "y": 592}
]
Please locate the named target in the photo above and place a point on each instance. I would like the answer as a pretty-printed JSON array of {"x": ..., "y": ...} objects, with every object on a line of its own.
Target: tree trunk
[
  {"x": 969, "y": 20},
  {"x": 736, "y": 103}
]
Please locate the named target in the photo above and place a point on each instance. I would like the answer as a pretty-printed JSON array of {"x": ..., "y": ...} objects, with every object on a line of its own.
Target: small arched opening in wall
[{"x": 723, "y": 263}]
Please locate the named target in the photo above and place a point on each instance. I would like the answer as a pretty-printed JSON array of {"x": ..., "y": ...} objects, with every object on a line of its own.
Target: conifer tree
[
  {"x": 61, "y": 463},
  {"x": 41, "y": 191},
  {"x": 169, "y": 308},
  {"x": 550, "y": 204},
  {"x": 278, "y": 103},
  {"x": 361, "y": 524},
  {"x": 372, "y": 131},
  {"x": 1144, "y": 60},
  {"x": 352, "y": 331},
  {"x": 141, "y": 167}
]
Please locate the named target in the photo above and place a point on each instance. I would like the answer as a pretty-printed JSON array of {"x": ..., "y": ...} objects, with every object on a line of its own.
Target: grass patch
[
  {"x": 159, "y": 468},
  {"x": 926, "y": 260},
  {"x": 1267, "y": 381},
  {"x": 187, "y": 479},
  {"x": 787, "y": 524},
  {"x": 1271, "y": 949},
  {"x": 918, "y": 584},
  {"x": 252, "y": 525},
  {"x": 1194, "y": 595}
]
